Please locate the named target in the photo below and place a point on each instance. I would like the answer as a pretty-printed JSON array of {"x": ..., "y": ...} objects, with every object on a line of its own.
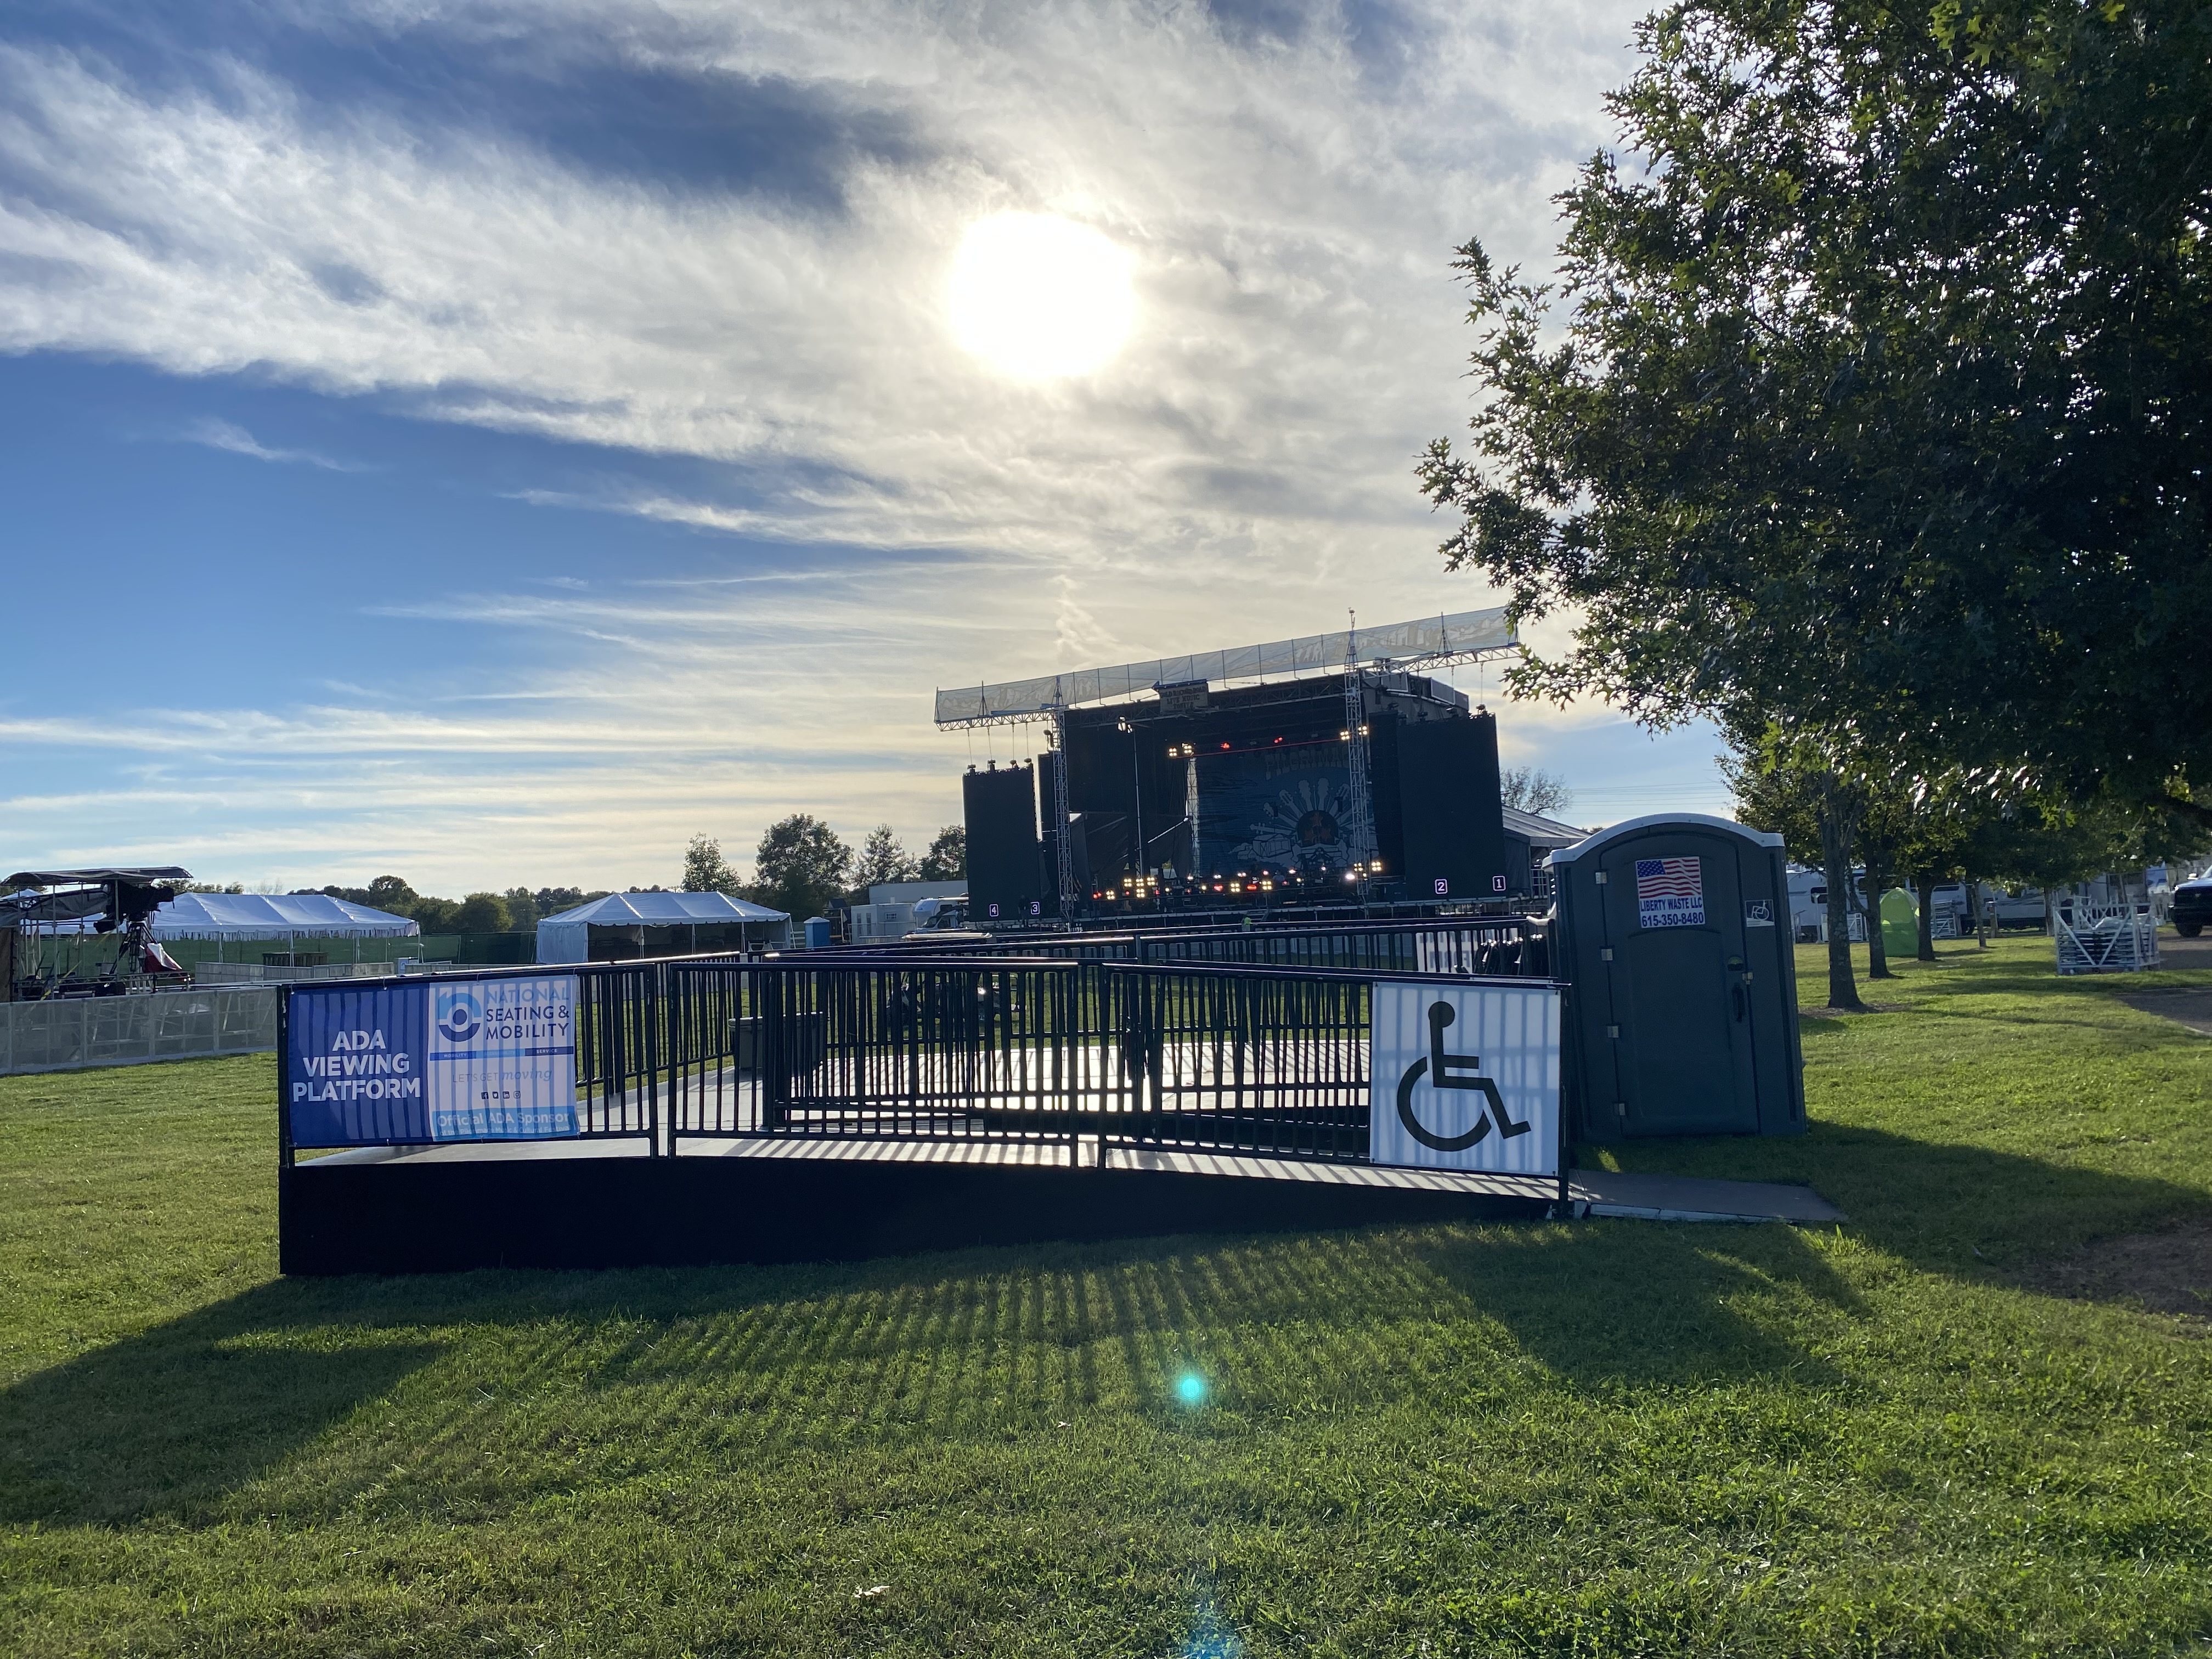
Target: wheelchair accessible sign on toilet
[{"x": 1464, "y": 1077}]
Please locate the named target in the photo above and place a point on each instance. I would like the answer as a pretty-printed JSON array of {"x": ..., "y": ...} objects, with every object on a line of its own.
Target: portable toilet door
[{"x": 1675, "y": 933}]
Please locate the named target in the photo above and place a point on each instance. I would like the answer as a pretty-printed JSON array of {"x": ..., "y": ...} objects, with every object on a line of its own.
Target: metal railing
[
  {"x": 1484, "y": 944},
  {"x": 1258, "y": 1059},
  {"x": 1250, "y": 1060},
  {"x": 969, "y": 1050}
]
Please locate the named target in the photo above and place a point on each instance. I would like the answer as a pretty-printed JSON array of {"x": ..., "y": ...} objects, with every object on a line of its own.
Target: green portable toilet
[
  {"x": 1900, "y": 923},
  {"x": 1682, "y": 1016}
]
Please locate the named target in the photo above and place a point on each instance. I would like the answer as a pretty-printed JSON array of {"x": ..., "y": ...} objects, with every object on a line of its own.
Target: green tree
[
  {"x": 1813, "y": 798},
  {"x": 522, "y": 913},
  {"x": 386, "y": 893},
  {"x": 1881, "y": 396},
  {"x": 883, "y": 859},
  {"x": 705, "y": 869},
  {"x": 2037, "y": 842},
  {"x": 947, "y": 857},
  {"x": 1531, "y": 789},
  {"x": 481, "y": 913},
  {"x": 800, "y": 866},
  {"x": 437, "y": 915}
]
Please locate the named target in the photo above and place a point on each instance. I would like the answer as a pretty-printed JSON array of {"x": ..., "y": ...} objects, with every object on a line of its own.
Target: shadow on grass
[
  {"x": 1945, "y": 1207},
  {"x": 174, "y": 1422},
  {"x": 1635, "y": 1303},
  {"x": 168, "y": 1421}
]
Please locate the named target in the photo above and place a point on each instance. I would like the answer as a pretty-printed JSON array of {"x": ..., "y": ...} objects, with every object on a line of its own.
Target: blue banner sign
[{"x": 468, "y": 1060}]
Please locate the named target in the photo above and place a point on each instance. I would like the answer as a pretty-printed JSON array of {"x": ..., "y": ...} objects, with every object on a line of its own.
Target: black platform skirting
[{"x": 426, "y": 1216}]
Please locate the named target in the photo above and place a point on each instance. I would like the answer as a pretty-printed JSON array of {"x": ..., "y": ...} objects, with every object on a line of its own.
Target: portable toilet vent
[{"x": 1674, "y": 933}]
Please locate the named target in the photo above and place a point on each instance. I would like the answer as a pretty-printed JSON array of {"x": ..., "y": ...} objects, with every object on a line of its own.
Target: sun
[{"x": 1038, "y": 297}]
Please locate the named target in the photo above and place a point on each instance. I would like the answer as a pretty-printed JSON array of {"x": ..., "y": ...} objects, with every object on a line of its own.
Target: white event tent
[
  {"x": 624, "y": 925},
  {"x": 275, "y": 916}
]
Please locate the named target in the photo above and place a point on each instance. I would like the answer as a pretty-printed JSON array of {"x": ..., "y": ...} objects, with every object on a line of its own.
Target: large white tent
[
  {"x": 275, "y": 916},
  {"x": 630, "y": 919}
]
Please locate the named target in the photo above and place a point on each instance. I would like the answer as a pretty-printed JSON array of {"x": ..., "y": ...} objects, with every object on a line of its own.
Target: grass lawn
[{"x": 1604, "y": 1438}]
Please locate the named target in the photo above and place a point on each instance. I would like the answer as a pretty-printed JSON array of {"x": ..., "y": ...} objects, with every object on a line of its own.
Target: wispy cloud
[
  {"x": 1289, "y": 191},
  {"x": 228, "y": 436}
]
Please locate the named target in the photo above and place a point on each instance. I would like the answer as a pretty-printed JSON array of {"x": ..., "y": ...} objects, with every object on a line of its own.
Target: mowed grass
[{"x": 1602, "y": 1437}]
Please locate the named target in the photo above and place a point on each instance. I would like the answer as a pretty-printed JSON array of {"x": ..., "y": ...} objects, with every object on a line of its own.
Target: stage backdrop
[{"x": 1277, "y": 810}]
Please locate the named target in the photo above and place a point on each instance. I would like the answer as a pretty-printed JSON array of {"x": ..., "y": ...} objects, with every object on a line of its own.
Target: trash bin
[
  {"x": 817, "y": 932},
  {"x": 1674, "y": 932}
]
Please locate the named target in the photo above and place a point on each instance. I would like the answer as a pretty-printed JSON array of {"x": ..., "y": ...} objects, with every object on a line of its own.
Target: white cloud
[
  {"x": 1240, "y": 470},
  {"x": 228, "y": 436}
]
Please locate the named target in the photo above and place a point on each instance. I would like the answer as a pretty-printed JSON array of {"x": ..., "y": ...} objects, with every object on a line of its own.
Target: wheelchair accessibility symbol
[{"x": 1446, "y": 1071}]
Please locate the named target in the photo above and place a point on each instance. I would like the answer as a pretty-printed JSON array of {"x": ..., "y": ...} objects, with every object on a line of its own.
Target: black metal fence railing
[
  {"x": 1238, "y": 1057},
  {"x": 953, "y": 1051},
  {"x": 1503, "y": 945},
  {"x": 618, "y": 1062},
  {"x": 1248, "y": 1059}
]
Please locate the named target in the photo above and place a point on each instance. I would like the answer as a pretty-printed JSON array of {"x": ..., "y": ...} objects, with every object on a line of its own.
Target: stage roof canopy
[
  {"x": 275, "y": 916},
  {"x": 1432, "y": 641}
]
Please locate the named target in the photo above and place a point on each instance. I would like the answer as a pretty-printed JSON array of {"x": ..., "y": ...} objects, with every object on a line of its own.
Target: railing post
[
  {"x": 650, "y": 992},
  {"x": 283, "y": 1092}
]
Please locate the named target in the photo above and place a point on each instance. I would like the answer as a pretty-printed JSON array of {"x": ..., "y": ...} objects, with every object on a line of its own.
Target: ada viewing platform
[{"x": 700, "y": 1111}]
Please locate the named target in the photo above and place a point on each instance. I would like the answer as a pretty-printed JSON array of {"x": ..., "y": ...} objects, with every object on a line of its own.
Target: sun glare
[{"x": 1038, "y": 297}]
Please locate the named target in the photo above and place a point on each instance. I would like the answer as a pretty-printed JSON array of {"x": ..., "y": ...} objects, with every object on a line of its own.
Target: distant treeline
[
  {"x": 801, "y": 867},
  {"x": 516, "y": 910}
]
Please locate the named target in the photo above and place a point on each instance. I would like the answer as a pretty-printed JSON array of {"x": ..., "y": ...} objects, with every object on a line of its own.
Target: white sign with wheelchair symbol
[{"x": 1464, "y": 1077}]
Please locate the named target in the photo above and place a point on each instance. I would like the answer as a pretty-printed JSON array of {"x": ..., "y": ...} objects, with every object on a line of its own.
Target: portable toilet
[
  {"x": 1673, "y": 933},
  {"x": 1900, "y": 923}
]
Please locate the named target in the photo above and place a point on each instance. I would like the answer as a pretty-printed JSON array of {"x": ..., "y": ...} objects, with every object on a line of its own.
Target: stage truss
[{"x": 1427, "y": 645}]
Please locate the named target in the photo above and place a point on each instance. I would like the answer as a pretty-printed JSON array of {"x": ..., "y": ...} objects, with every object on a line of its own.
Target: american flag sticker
[{"x": 1669, "y": 893}]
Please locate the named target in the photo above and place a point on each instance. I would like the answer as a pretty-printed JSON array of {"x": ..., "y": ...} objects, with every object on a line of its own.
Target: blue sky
[{"x": 492, "y": 443}]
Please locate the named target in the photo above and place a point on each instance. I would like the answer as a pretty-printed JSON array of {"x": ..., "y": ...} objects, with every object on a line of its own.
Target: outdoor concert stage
[{"x": 611, "y": 1204}]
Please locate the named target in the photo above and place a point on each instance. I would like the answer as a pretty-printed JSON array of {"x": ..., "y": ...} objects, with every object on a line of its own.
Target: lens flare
[{"x": 1190, "y": 1389}]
